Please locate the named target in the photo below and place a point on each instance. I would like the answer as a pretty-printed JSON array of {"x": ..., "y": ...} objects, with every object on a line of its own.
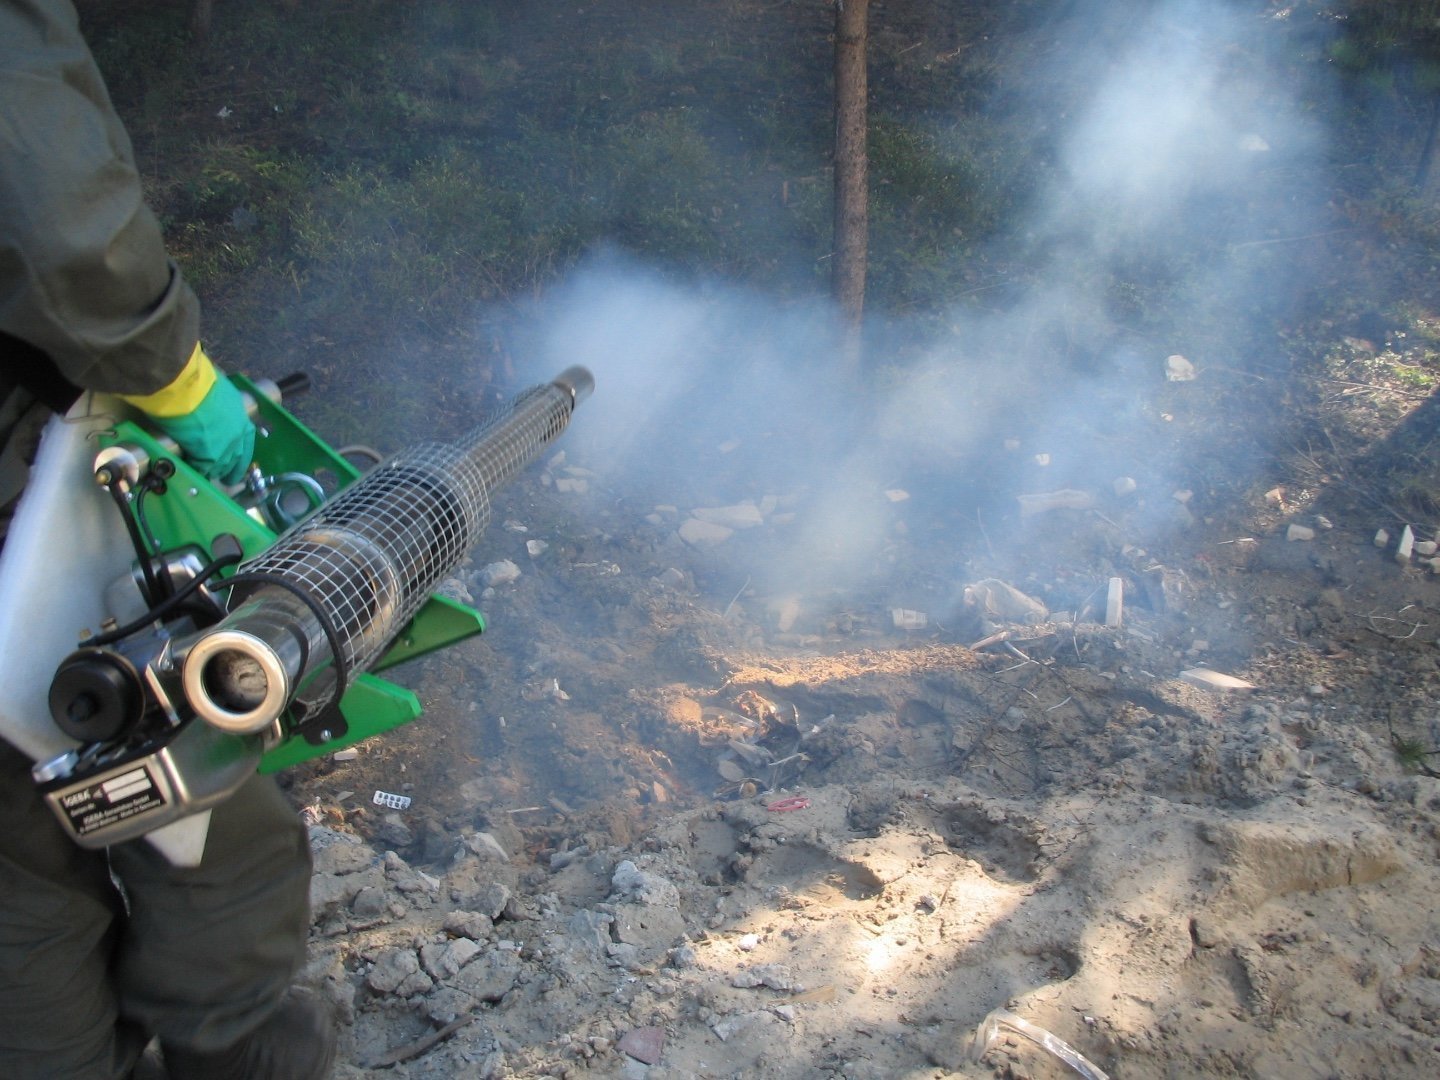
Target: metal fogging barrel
[{"x": 321, "y": 604}]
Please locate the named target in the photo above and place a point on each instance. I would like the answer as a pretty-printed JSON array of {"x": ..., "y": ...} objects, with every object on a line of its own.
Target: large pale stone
[{"x": 699, "y": 533}]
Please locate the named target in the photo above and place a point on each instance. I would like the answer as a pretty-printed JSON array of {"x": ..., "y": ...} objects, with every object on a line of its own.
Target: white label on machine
[{"x": 108, "y": 802}]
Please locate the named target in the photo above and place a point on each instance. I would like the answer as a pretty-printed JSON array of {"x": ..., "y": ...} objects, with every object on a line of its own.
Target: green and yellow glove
[{"x": 205, "y": 414}]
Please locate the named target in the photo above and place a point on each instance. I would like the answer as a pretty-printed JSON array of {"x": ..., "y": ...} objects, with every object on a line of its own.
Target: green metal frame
[{"x": 194, "y": 513}]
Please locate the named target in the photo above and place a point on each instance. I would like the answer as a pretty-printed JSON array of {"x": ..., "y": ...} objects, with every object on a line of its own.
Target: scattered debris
[
  {"x": 730, "y": 770},
  {"x": 1114, "y": 601},
  {"x": 486, "y": 846},
  {"x": 787, "y": 610},
  {"x": 1065, "y": 499},
  {"x": 393, "y": 802},
  {"x": 744, "y": 515},
  {"x": 1390, "y": 626},
  {"x": 999, "y": 600},
  {"x": 1178, "y": 369},
  {"x": 670, "y": 578},
  {"x": 1207, "y": 679},
  {"x": 794, "y": 802},
  {"x": 1299, "y": 532},
  {"x": 755, "y": 755},
  {"x": 1406, "y": 547},
  {"x": 698, "y": 533},
  {"x": 771, "y": 976},
  {"x": 421, "y": 1045},
  {"x": 906, "y": 619},
  {"x": 997, "y": 638},
  {"x": 990, "y": 1028},
  {"x": 499, "y": 573},
  {"x": 645, "y": 1044}
]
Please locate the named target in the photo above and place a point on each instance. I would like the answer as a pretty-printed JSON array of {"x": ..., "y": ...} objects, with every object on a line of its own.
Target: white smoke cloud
[{"x": 1182, "y": 151}]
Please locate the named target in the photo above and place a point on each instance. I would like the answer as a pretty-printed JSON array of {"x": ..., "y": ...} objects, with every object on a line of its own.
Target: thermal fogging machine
[{"x": 162, "y": 638}]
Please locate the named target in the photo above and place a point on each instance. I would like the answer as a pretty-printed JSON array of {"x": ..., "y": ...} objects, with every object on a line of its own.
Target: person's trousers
[{"x": 101, "y": 950}]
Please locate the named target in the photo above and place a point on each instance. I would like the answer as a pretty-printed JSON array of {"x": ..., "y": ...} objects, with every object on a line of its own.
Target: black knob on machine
[{"x": 96, "y": 695}]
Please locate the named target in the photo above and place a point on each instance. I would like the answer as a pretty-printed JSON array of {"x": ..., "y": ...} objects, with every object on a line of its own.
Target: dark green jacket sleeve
[{"x": 83, "y": 271}]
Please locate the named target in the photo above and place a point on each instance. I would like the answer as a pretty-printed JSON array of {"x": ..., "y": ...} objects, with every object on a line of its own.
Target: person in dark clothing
[{"x": 103, "y": 952}]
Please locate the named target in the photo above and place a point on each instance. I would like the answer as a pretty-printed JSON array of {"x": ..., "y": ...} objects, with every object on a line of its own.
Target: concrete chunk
[{"x": 1115, "y": 602}]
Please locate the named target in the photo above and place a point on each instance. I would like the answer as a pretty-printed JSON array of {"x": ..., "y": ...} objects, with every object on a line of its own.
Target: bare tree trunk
[
  {"x": 851, "y": 237},
  {"x": 200, "y": 18},
  {"x": 1424, "y": 173}
]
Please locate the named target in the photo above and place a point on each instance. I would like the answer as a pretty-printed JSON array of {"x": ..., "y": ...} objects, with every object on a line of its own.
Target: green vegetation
[
  {"x": 1380, "y": 37},
  {"x": 1413, "y": 754},
  {"x": 413, "y": 160},
  {"x": 934, "y": 195}
]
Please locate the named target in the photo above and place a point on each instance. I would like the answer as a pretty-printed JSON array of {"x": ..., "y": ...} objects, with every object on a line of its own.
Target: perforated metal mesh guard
[{"x": 372, "y": 555}]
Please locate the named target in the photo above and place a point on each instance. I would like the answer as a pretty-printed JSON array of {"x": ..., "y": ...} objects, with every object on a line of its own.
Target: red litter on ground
[{"x": 795, "y": 802}]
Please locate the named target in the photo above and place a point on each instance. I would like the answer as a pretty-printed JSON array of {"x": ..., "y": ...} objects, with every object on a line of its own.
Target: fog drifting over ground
[{"x": 1176, "y": 152}]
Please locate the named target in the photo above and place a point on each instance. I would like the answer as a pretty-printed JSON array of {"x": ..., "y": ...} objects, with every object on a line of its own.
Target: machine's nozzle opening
[
  {"x": 236, "y": 682},
  {"x": 578, "y": 381},
  {"x": 320, "y": 605}
]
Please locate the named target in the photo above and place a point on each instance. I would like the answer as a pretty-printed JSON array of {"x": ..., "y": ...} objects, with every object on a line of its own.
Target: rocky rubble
[
  {"x": 1144, "y": 797},
  {"x": 1126, "y": 861}
]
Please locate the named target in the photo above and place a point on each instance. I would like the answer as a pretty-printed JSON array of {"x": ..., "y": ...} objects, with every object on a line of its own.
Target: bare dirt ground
[
  {"x": 664, "y": 825},
  {"x": 671, "y": 818}
]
